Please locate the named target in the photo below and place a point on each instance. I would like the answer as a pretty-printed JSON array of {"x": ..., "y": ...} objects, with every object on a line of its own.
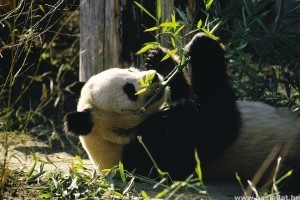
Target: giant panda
[
  {"x": 229, "y": 136},
  {"x": 108, "y": 112}
]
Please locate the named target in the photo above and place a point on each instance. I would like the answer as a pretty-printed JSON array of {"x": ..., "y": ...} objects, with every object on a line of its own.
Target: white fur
[
  {"x": 265, "y": 129},
  {"x": 111, "y": 110}
]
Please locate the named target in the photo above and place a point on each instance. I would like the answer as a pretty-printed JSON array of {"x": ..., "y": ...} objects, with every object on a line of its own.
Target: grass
[
  {"x": 31, "y": 75},
  {"x": 41, "y": 177},
  {"x": 44, "y": 177}
]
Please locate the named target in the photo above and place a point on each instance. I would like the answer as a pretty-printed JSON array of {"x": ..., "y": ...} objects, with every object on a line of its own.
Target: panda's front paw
[
  {"x": 154, "y": 56},
  {"x": 204, "y": 48},
  {"x": 154, "y": 61}
]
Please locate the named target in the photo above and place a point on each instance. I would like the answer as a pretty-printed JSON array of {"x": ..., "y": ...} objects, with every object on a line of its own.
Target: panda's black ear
[
  {"x": 78, "y": 123},
  {"x": 75, "y": 88}
]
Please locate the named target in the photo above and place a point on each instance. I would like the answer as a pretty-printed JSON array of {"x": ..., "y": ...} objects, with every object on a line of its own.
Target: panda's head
[{"x": 108, "y": 102}]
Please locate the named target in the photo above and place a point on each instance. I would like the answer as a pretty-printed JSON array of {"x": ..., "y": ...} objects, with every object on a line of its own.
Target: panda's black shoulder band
[{"x": 78, "y": 123}]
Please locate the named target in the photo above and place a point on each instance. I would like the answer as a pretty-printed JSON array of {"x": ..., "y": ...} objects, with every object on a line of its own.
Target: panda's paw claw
[{"x": 154, "y": 57}]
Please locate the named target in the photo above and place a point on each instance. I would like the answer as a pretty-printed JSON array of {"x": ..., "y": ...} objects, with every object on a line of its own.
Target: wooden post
[
  {"x": 112, "y": 31},
  {"x": 99, "y": 38},
  {"x": 91, "y": 30},
  {"x": 167, "y": 9}
]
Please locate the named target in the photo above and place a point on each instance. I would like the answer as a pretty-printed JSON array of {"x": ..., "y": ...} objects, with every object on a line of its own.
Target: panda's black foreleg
[
  {"x": 154, "y": 57},
  {"x": 180, "y": 86},
  {"x": 210, "y": 81}
]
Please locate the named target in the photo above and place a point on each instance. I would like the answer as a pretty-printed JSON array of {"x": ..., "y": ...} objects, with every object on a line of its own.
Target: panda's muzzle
[
  {"x": 155, "y": 95},
  {"x": 155, "y": 87},
  {"x": 167, "y": 80}
]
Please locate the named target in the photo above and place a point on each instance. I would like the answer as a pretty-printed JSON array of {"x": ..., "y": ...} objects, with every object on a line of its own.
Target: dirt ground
[
  {"x": 22, "y": 152},
  {"x": 23, "y": 147}
]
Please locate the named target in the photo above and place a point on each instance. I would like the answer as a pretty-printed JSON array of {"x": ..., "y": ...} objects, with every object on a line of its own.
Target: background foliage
[
  {"x": 39, "y": 56},
  {"x": 261, "y": 39}
]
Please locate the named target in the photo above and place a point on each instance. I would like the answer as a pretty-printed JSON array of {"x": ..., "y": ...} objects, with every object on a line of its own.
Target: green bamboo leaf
[
  {"x": 140, "y": 91},
  {"x": 158, "y": 10},
  {"x": 242, "y": 46},
  {"x": 42, "y": 8},
  {"x": 199, "y": 24},
  {"x": 198, "y": 166},
  {"x": 36, "y": 176},
  {"x": 169, "y": 54},
  {"x": 208, "y": 4},
  {"x": 145, "y": 195},
  {"x": 209, "y": 34},
  {"x": 122, "y": 172},
  {"x": 246, "y": 6},
  {"x": 169, "y": 24},
  {"x": 173, "y": 18},
  {"x": 44, "y": 90},
  {"x": 30, "y": 172},
  {"x": 144, "y": 49},
  {"x": 109, "y": 177},
  {"x": 145, "y": 10},
  {"x": 173, "y": 42},
  {"x": 55, "y": 183},
  {"x": 142, "y": 82},
  {"x": 149, "y": 78},
  {"x": 183, "y": 58},
  {"x": 289, "y": 173},
  {"x": 151, "y": 29},
  {"x": 165, "y": 28},
  {"x": 179, "y": 30},
  {"x": 78, "y": 158},
  {"x": 162, "y": 193}
]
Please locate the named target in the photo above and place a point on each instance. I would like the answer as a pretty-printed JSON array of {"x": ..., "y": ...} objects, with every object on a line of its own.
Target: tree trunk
[{"x": 99, "y": 41}]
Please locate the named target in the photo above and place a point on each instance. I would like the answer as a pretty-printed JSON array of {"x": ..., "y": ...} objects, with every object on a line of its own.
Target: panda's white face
[
  {"x": 114, "y": 90},
  {"x": 111, "y": 95}
]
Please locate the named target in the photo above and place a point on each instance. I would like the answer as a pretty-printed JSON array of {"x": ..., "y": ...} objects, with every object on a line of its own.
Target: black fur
[
  {"x": 180, "y": 86},
  {"x": 129, "y": 90},
  {"x": 78, "y": 123},
  {"x": 173, "y": 135}
]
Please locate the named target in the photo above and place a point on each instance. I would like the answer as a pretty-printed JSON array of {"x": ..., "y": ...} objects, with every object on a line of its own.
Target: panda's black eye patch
[{"x": 129, "y": 89}]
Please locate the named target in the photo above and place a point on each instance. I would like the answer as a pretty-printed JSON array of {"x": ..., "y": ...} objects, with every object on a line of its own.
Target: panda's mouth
[{"x": 155, "y": 95}]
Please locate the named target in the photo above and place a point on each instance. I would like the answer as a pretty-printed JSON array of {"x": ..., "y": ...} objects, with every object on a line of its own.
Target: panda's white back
[{"x": 264, "y": 130}]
